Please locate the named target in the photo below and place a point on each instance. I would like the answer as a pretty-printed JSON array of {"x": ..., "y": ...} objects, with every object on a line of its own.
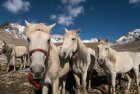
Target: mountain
[
  {"x": 59, "y": 39},
  {"x": 91, "y": 40},
  {"x": 56, "y": 38},
  {"x": 130, "y": 37},
  {"x": 17, "y": 31}
]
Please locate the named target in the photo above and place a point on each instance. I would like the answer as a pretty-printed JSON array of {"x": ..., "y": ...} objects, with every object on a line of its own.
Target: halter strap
[
  {"x": 46, "y": 53},
  {"x": 38, "y": 50}
]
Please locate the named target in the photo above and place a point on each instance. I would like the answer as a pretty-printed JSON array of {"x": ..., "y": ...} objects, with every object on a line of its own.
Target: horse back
[{"x": 20, "y": 51}]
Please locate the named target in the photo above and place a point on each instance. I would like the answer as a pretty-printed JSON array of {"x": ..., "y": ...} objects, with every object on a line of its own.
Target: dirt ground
[{"x": 15, "y": 82}]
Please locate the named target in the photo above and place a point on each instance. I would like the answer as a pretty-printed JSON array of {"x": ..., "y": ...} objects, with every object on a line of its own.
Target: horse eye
[
  {"x": 106, "y": 48},
  {"x": 49, "y": 41},
  {"x": 73, "y": 38},
  {"x": 28, "y": 39}
]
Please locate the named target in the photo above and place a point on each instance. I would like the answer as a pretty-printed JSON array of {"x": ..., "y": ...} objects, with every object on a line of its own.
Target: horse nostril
[
  {"x": 43, "y": 69},
  {"x": 31, "y": 69}
]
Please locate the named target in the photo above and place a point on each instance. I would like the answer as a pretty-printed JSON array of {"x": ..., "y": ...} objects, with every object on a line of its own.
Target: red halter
[
  {"x": 33, "y": 81},
  {"x": 46, "y": 53}
]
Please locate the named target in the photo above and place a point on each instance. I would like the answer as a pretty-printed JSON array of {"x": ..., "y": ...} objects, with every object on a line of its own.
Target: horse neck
[
  {"x": 53, "y": 51},
  {"x": 6, "y": 49},
  {"x": 81, "y": 48},
  {"x": 112, "y": 55}
]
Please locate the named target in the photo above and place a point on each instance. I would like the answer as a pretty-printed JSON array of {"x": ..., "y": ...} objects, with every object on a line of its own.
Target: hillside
[
  {"x": 10, "y": 39},
  {"x": 132, "y": 46}
]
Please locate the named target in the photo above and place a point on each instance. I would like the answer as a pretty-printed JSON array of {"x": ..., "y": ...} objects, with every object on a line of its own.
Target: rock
[
  {"x": 127, "y": 92},
  {"x": 103, "y": 88},
  {"x": 95, "y": 91},
  {"x": 3, "y": 67}
]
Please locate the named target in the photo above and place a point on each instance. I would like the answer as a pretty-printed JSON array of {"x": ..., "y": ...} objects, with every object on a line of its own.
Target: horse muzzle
[
  {"x": 37, "y": 72},
  {"x": 100, "y": 62}
]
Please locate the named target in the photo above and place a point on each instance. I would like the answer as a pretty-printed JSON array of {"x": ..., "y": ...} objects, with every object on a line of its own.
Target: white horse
[
  {"x": 44, "y": 55},
  {"x": 83, "y": 58},
  {"x": 12, "y": 52},
  {"x": 115, "y": 62}
]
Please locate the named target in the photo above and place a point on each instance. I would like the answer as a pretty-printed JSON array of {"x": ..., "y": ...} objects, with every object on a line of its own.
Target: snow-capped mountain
[
  {"x": 91, "y": 40},
  {"x": 16, "y": 30},
  {"x": 130, "y": 37},
  {"x": 57, "y": 38}
]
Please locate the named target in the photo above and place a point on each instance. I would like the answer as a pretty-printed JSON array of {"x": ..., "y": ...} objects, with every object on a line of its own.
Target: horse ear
[
  {"x": 4, "y": 42},
  {"x": 107, "y": 40},
  {"x": 50, "y": 27},
  {"x": 27, "y": 23},
  {"x": 99, "y": 39},
  {"x": 66, "y": 30},
  {"x": 77, "y": 31}
]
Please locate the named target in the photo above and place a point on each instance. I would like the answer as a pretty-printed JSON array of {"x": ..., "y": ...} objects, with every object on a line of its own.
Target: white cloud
[
  {"x": 75, "y": 11},
  {"x": 53, "y": 17},
  {"x": 16, "y": 6},
  {"x": 134, "y": 1},
  {"x": 73, "y": 2},
  {"x": 65, "y": 20},
  {"x": 72, "y": 9}
]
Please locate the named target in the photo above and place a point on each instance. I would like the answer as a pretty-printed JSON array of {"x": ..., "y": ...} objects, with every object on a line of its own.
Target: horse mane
[
  {"x": 81, "y": 48},
  {"x": 37, "y": 27},
  {"x": 111, "y": 55}
]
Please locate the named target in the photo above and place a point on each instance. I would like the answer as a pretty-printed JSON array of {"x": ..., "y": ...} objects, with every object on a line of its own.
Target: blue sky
[{"x": 95, "y": 18}]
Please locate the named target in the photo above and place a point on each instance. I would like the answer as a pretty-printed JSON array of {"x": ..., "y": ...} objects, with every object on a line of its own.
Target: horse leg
[
  {"x": 136, "y": 70},
  {"x": 21, "y": 65},
  {"x": 60, "y": 88},
  {"x": 14, "y": 62},
  {"x": 77, "y": 79},
  {"x": 45, "y": 89},
  {"x": 8, "y": 64},
  {"x": 55, "y": 87},
  {"x": 24, "y": 61},
  {"x": 113, "y": 79},
  {"x": 109, "y": 82},
  {"x": 129, "y": 81},
  {"x": 89, "y": 81},
  {"x": 64, "y": 85},
  {"x": 84, "y": 77}
]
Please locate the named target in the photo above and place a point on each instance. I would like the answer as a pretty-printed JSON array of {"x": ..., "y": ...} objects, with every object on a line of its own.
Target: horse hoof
[
  {"x": 14, "y": 70},
  {"x": 89, "y": 90}
]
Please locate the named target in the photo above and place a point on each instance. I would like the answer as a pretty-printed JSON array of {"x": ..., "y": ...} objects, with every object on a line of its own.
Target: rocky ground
[{"x": 15, "y": 82}]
